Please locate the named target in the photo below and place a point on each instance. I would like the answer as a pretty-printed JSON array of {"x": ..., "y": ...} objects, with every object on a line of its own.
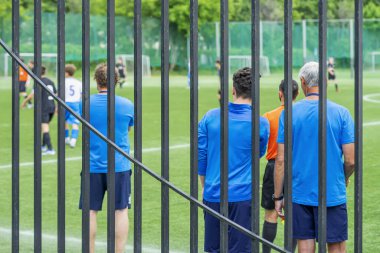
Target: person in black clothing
[
  {"x": 121, "y": 71},
  {"x": 331, "y": 73},
  {"x": 47, "y": 114}
]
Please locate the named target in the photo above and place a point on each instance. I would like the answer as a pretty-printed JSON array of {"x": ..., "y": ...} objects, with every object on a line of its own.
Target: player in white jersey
[{"x": 73, "y": 95}]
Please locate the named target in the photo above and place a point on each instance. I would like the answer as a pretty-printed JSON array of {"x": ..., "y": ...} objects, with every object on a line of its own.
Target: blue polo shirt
[
  {"x": 98, "y": 118},
  {"x": 239, "y": 152},
  {"x": 340, "y": 131}
]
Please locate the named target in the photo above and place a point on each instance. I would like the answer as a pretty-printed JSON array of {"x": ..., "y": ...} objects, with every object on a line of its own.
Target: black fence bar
[
  {"x": 111, "y": 125},
  {"x": 61, "y": 208},
  {"x": 149, "y": 171},
  {"x": 224, "y": 124},
  {"x": 255, "y": 174},
  {"x": 15, "y": 129},
  {"x": 37, "y": 131},
  {"x": 358, "y": 224},
  {"x": 288, "y": 63},
  {"x": 194, "y": 124},
  {"x": 137, "y": 235},
  {"x": 322, "y": 211},
  {"x": 85, "y": 131},
  {"x": 165, "y": 124}
]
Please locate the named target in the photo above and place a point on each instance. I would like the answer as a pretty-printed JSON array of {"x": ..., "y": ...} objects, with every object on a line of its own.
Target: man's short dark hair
[
  {"x": 43, "y": 70},
  {"x": 242, "y": 82},
  {"x": 281, "y": 87},
  {"x": 101, "y": 75},
  {"x": 70, "y": 69}
]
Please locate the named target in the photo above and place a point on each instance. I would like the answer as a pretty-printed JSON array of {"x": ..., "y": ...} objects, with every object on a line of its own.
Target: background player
[
  {"x": 48, "y": 110},
  {"x": 331, "y": 73},
  {"x": 73, "y": 92},
  {"x": 270, "y": 223},
  {"x": 23, "y": 82},
  {"x": 122, "y": 71}
]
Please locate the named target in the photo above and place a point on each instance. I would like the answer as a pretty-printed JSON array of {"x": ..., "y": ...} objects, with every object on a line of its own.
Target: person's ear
[{"x": 233, "y": 91}]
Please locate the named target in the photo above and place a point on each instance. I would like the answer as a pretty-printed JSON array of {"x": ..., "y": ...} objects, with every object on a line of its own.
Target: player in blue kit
[
  {"x": 73, "y": 95},
  {"x": 340, "y": 166},
  {"x": 240, "y": 164},
  {"x": 124, "y": 118}
]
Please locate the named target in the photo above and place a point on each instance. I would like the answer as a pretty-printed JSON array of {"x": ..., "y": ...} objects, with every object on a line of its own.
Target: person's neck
[
  {"x": 102, "y": 90},
  {"x": 242, "y": 101},
  {"x": 311, "y": 90}
]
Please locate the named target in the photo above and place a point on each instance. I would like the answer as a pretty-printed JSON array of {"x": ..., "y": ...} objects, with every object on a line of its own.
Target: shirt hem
[
  {"x": 105, "y": 171},
  {"x": 328, "y": 204},
  {"x": 230, "y": 200}
]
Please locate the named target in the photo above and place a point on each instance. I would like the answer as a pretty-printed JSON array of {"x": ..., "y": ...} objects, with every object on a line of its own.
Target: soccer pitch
[{"x": 179, "y": 166}]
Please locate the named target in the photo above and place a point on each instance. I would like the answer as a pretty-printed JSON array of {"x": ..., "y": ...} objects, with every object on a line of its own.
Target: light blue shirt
[
  {"x": 340, "y": 131},
  {"x": 239, "y": 152},
  {"x": 98, "y": 118}
]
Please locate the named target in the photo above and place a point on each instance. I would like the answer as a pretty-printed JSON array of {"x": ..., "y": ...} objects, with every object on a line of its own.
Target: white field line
[
  {"x": 75, "y": 240},
  {"x": 76, "y": 158},
  {"x": 369, "y": 98}
]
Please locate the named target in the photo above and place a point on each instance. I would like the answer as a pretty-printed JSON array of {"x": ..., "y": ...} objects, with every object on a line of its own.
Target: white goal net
[
  {"x": 240, "y": 61},
  {"x": 129, "y": 62}
]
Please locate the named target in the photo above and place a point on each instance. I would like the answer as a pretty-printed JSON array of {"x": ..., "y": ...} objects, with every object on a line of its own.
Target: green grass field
[{"x": 179, "y": 166}]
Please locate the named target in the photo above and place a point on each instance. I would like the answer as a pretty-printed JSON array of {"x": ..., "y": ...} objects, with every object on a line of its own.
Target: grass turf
[{"x": 179, "y": 167}]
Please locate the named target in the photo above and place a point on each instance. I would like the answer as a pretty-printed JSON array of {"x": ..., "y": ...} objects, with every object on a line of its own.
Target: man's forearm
[
  {"x": 278, "y": 178},
  {"x": 202, "y": 180},
  {"x": 349, "y": 168}
]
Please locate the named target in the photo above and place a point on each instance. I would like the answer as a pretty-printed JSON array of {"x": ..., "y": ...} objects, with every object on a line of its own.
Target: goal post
[
  {"x": 48, "y": 59},
  {"x": 240, "y": 61},
  {"x": 128, "y": 61}
]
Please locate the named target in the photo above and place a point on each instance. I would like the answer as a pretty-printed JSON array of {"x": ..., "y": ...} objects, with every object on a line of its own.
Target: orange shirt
[
  {"x": 273, "y": 118},
  {"x": 23, "y": 76}
]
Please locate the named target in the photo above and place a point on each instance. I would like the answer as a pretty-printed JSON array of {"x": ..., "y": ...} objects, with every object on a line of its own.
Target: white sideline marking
[
  {"x": 76, "y": 158},
  {"x": 369, "y": 98},
  {"x": 374, "y": 123},
  {"x": 75, "y": 240}
]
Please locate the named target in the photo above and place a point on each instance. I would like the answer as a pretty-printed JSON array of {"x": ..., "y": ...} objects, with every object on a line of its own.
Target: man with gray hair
[{"x": 340, "y": 142}]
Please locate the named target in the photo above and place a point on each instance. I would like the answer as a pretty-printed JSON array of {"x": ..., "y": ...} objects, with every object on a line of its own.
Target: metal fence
[{"x": 164, "y": 177}]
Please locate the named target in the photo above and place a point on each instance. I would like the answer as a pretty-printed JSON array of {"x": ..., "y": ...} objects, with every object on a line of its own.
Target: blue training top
[
  {"x": 239, "y": 152},
  {"x": 98, "y": 118},
  {"x": 340, "y": 131}
]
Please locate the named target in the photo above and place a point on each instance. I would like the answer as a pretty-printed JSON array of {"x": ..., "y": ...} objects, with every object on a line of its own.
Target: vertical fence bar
[
  {"x": 288, "y": 62},
  {"x": 111, "y": 125},
  {"x": 194, "y": 124},
  {"x": 224, "y": 31},
  {"x": 138, "y": 128},
  {"x": 61, "y": 125},
  {"x": 15, "y": 129},
  {"x": 255, "y": 174},
  {"x": 165, "y": 124},
  {"x": 358, "y": 224},
  {"x": 86, "y": 132},
  {"x": 37, "y": 130},
  {"x": 322, "y": 211}
]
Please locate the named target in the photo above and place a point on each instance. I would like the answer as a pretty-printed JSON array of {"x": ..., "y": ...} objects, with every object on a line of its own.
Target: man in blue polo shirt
[
  {"x": 98, "y": 159},
  {"x": 239, "y": 164},
  {"x": 340, "y": 143}
]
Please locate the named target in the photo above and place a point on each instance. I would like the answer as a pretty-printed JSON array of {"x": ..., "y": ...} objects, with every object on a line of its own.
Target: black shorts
[
  {"x": 331, "y": 77},
  {"x": 22, "y": 86},
  {"x": 98, "y": 187},
  {"x": 46, "y": 117},
  {"x": 268, "y": 187}
]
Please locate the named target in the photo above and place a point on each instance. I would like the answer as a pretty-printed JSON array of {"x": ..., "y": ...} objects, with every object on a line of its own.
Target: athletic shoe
[
  {"x": 49, "y": 152},
  {"x": 29, "y": 106},
  {"x": 44, "y": 149},
  {"x": 67, "y": 140},
  {"x": 73, "y": 142}
]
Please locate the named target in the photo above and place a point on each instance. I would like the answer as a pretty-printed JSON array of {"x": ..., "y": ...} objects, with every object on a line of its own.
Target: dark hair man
[
  {"x": 124, "y": 118},
  {"x": 340, "y": 142},
  {"x": 270, "y": 223},
  {"x": 239, "y": 164},
  {"x": 73, "y": 97},
  {"x": 48, "y": 110},
  {"x": 331, "y": 73}
]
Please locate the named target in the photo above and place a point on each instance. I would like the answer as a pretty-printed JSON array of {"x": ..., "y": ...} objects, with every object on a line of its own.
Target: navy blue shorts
[
  {"x": 305, "y": 223},
  {"x": 98, "y": 187},
  {"x": 239, "y": 212}
]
